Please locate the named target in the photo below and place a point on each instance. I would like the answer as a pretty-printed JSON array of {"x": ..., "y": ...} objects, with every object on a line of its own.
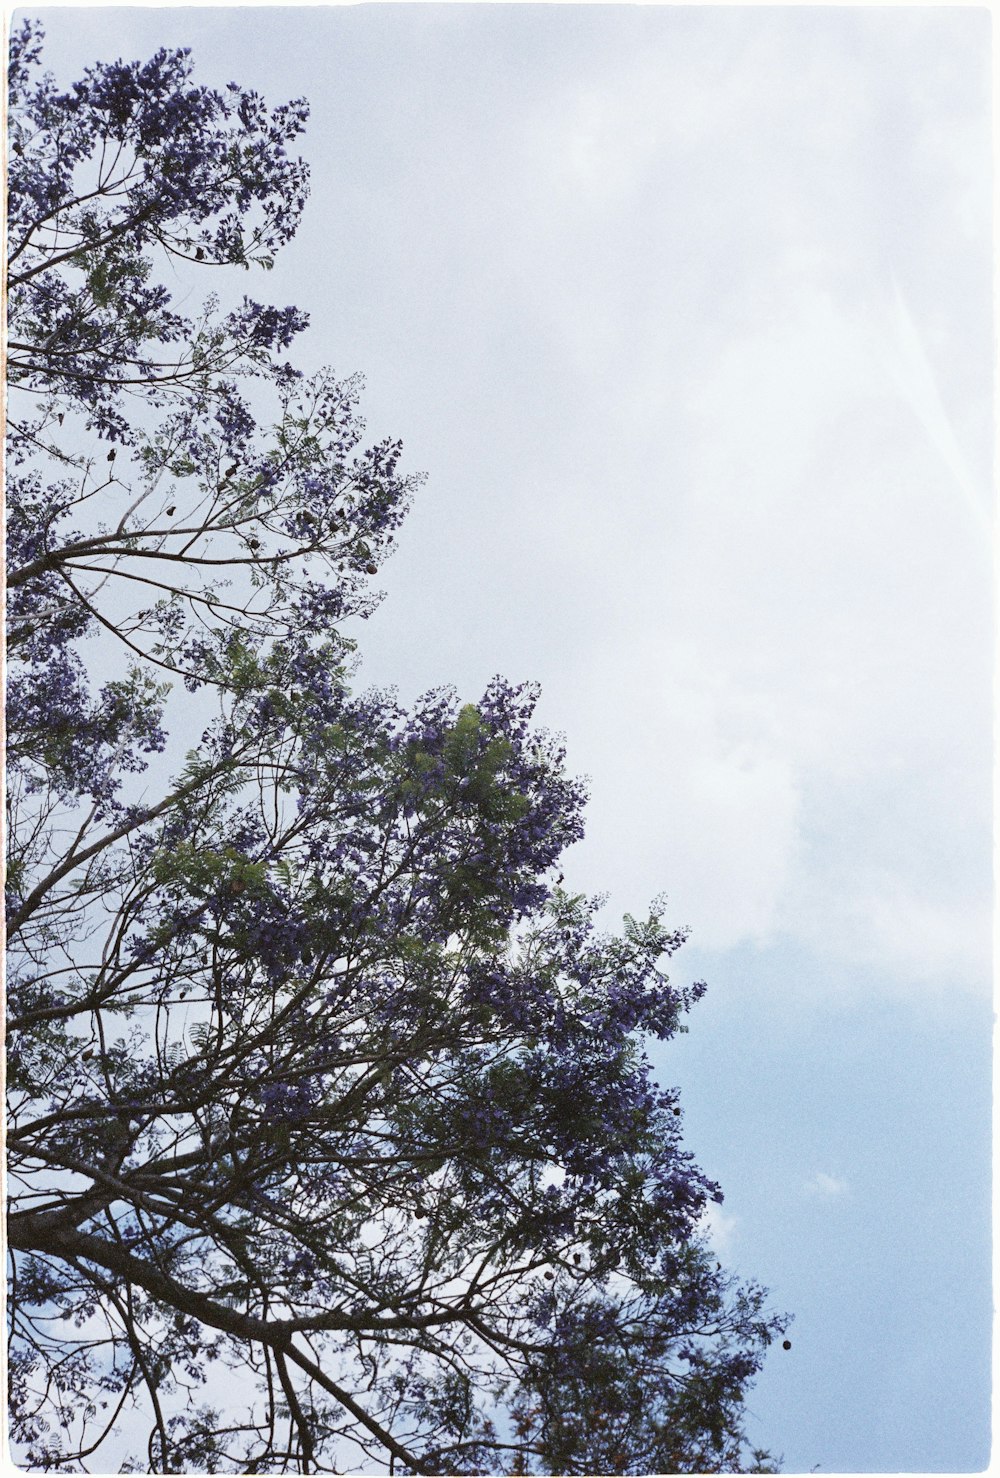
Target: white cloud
[
  {"x": 933, "y": 942},
  {"x": 804, "y": 720},
  {"x": 720, "y": 1228},
  {"x": 831, "y": 1187},
  {"x": 915, "y": 376},
  {"x": 700, "y": 367}
]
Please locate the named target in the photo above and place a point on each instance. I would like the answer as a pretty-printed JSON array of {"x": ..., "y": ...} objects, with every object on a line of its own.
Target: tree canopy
[{"x": 333, "y": 1141}]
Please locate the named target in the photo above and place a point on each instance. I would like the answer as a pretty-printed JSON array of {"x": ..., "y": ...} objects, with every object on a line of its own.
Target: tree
[{"x": 333, "y": 1142}]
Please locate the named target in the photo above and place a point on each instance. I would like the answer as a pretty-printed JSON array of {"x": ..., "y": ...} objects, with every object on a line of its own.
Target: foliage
[{"x": 333, "y": 1141}]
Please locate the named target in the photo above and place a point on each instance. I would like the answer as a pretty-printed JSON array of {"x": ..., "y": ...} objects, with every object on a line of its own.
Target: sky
[{"x": 686, "y": 313}]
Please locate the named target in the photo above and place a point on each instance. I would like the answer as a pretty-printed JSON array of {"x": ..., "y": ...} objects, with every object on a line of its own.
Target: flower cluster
[{"x": 133, "y": 160}]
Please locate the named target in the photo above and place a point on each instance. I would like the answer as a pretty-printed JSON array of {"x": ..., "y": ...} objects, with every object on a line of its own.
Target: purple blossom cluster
[
  {"x": 70, "y": 741},
  {"x": 287, "y": 1102},
  {"x": 196, "y": 174}
]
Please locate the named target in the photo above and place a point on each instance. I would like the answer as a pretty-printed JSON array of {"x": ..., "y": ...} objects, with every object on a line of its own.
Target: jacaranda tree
[{"x": 332, "y": 1140}]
